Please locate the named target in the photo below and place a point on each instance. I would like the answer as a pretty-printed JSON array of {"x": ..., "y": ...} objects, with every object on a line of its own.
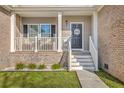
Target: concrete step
[
  {"x": 77, "y": 68},
  {"x": 80, "y": 53},
  {"x": 89, "y": 68},
  {"x": 75, "y": 63},
  {"x": 87, "y": 64},
  {"x": 81, "y": 56},
  {"x": 80, "y": 60}
]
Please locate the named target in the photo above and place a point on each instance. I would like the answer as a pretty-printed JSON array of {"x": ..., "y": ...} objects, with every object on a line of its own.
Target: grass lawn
[
  {"x": 61, "y": 79},
  {"x": 111, "y": 81}
]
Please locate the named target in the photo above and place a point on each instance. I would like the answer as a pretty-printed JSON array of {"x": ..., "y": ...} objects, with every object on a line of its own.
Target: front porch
[{"x": 55, "y": 31}]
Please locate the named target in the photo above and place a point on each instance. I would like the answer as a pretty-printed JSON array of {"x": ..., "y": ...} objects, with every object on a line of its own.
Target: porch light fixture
[{"x": 66, "y": 22}]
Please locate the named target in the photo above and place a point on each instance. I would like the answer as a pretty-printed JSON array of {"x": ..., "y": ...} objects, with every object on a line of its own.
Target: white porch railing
[
  {"x": 39, "y": 44},
  {"x": 94, "y": 53},
  {"x": 47, "y": 44},
  {"x": 24, "y": 44},
  {"x": 70, "y": 52},
  {"x": 36, "y": 44}
]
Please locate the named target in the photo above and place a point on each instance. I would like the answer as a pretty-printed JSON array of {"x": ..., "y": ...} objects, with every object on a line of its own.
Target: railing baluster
[{"x": 37, "y": 44}]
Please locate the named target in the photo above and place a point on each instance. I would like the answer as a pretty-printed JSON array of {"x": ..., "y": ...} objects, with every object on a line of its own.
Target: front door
[{"x": 76, "y": 40}]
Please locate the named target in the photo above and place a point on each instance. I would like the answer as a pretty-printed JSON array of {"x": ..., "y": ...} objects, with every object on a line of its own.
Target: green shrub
[
  {"x": 20, "y": 66},
  {"x": 42, "y": 66},
  {"x": 56, "y": 66},
  {"x": 32, "y": 66}
]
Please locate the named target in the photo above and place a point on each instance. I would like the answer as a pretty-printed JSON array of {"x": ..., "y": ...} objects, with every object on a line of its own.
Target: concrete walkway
[{"x": 90, "y": 80}]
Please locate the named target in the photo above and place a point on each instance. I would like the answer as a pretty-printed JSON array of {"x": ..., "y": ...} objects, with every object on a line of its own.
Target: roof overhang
[{"x": 52, "y": 10}]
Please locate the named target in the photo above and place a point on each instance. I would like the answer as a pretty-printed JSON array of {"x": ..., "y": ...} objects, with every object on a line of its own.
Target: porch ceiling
[
  {"x": 53, "y": 14},
  {"x": 51, "y": 11}
]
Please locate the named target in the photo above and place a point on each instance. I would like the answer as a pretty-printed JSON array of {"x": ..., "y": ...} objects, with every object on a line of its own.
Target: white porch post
[
  {"x": 95, "y": 37},
  {"x": 13, "y": 31},
  {"x": 59, "y": 31},
  {"x": 36, "y": 44},
  {"x": 95, "y": 29}
]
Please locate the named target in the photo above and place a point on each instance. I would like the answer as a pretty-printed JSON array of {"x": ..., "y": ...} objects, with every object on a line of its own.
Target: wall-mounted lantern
[{"x": 66, "y": 22}]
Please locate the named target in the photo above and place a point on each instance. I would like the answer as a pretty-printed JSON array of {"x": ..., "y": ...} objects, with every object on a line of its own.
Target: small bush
[
  {"x": 56, "y": 66},
  {"x": 20, "y": 66},
  {"x": 32, "y": 66},
  {"x": 42, "y": 66}
]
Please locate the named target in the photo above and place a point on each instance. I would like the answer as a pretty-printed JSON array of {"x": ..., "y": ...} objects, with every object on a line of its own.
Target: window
[
  {"x": 30, "y": 30},
  {"x": 47, "y": 30},
  {"x": 33, "y": 30},
  {"x": 43, "y": 30}
]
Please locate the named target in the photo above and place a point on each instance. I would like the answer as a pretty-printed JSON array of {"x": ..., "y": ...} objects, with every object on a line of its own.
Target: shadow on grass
[
  {"x": 5, "y": 80},
  {"x": 9, "y": 80},
  {"x": 111, "y": 81},
  {"x": 24, "y": 80}
]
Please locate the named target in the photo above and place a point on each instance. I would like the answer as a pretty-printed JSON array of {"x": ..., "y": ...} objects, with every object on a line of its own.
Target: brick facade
[
  {"x": 4, "y": 37},
  {"x": 47, "y": 58},
  {"x": 5, "y": 32},
  {"x": 8, "y": 59},
  {"x": 111, "y": 40}
]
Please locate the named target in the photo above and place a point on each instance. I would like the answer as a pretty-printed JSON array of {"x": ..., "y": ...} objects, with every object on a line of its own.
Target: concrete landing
[{"x": 90, "y": 80}]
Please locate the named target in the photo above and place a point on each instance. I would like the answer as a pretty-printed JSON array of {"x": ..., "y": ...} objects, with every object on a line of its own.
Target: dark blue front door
[{"x": 76, "y": 30}]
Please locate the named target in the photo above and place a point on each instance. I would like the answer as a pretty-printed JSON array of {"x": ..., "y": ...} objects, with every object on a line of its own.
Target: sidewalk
[{"x": 90, "y": 80}]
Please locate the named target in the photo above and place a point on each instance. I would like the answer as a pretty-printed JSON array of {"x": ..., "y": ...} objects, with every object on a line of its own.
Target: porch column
[
  {"x": 95, "y": 38},
  {"x": 59, "y": 31},
  {"x": 95, "y": 29},
  {"x": 13, "y": 31}
]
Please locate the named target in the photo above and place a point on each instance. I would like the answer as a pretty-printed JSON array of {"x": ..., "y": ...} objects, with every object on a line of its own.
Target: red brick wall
[{"x": 111, "y": 40}]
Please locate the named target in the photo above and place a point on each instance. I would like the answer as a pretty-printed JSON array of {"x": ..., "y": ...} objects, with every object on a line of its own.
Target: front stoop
[
  {"x": 90, "y": 80},
  {"x": 82, "y": 60}
]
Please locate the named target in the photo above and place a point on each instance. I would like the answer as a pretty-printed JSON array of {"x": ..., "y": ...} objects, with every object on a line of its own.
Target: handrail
[
  {"x": 94, "y": 53},
  {"x": 69, "y": 50}
]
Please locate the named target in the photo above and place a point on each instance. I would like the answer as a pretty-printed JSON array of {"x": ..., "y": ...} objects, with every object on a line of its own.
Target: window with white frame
[
  {"x": 45, "y": 30},
  {"x": 33, "y": 30},
  {"x": 39, "y": 30}
]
